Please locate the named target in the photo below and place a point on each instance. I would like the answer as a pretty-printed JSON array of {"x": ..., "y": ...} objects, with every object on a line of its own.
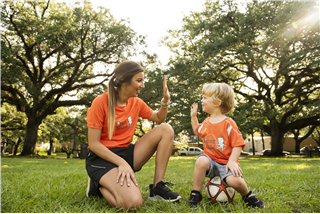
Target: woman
[{"x": 112, "y": 159}]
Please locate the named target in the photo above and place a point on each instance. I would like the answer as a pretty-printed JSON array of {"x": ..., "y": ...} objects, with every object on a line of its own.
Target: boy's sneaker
[
  {"x": 195, "y": 198},
  {"x": 161, "y": 192},
  {"x": 252, "y": 200},
  {"x": 92, "y": 190}
]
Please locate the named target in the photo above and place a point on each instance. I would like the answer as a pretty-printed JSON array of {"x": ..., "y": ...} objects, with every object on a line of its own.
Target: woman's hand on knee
[{"x": 126, "y": 172}]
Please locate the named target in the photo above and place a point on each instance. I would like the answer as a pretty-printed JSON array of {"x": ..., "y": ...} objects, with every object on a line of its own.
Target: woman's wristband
[{"x": 165, "y": 105}]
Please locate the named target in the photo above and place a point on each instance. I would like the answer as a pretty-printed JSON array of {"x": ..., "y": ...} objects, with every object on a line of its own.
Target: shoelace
[{"x": 164, "y": 188}]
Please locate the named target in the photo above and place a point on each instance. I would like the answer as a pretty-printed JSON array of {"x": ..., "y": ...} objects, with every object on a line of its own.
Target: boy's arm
[
  {"x": 194, "y": 119},
  {"x": 232, "y": 163}
]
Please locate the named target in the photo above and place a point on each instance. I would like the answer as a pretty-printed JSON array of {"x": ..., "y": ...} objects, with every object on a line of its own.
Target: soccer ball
[{"x": 216, "y": 191}]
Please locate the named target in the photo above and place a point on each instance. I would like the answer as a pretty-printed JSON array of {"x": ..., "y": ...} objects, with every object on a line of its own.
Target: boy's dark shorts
[{"x": 98, "y": 167}]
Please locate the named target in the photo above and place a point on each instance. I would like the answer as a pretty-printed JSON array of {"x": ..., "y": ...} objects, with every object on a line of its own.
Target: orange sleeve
[
  {"x": 145, "y": 111},
  {"x": 96, "y": 114},
  {"x": 235, "y": 136}
]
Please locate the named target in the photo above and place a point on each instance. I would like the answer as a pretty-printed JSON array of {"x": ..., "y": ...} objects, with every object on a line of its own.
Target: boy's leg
[
  {"x": 199, "y": 174},
  {"x": 200, "y": 170},
  {"x": 240, "y": 186}
]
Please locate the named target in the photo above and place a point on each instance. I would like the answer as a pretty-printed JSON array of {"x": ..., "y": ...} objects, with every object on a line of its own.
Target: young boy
[{"x": 222, "y": 143}]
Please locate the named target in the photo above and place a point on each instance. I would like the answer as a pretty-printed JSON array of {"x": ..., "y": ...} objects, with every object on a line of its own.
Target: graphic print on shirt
[
  {"x": 210, "y": 142},
  {"x": 220, "y": 143},
  {"x": 125, "y": 124}
]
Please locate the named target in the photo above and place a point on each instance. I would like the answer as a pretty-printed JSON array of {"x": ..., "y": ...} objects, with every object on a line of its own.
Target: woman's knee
[
  {"x": 135, "y": 201},
  {"x": 167, "y": 129}
]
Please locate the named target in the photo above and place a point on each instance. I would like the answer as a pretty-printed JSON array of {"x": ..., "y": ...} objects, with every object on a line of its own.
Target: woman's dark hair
[{"x": 123, "y": 73}]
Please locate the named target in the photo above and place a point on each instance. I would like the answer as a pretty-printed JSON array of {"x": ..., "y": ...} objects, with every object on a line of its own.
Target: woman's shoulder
[{"x": 101, "y": 99}]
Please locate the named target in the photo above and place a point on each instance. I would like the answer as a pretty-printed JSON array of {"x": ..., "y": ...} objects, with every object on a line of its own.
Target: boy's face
[{"x": 207, "y": 104}]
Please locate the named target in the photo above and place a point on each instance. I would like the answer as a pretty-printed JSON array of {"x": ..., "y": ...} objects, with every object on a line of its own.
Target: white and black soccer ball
[{"x": 216, "y": 191}]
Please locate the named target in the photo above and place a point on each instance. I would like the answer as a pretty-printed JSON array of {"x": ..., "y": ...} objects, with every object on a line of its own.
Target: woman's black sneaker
[
  {"x": 195, "y": 198},
  {"x": 252, "y": 201},
  {"x": 163, "y": 193},
  {"x": 92, "y": 189}
]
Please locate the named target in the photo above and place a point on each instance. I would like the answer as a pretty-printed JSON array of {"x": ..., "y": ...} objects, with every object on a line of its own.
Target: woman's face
[{"x": 136, "y": 85}]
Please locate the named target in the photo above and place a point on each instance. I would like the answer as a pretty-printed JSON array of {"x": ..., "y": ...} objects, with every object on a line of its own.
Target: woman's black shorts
[{"x": 97, "y": 167}]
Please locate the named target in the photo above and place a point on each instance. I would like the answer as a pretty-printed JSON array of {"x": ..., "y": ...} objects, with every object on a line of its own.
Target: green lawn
[{"x": 58, "y": 185}]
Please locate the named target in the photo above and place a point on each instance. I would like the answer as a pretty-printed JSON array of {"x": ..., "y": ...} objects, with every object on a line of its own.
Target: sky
[{"x": 151, "y": 18}]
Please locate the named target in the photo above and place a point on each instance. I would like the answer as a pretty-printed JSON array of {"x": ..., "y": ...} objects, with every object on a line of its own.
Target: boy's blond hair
[{"x": 220, "y": 92}]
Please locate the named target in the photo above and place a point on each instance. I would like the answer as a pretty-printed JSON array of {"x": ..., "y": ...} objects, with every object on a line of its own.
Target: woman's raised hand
[{"x": 166, "y": 94}]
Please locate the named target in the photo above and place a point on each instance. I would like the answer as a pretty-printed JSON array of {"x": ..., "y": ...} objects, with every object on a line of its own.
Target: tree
[
  {"x": 55, "y": 128},
  {"x": 50, "y": 53},
  {"x": 12, "y": 127},
  {"x": 316, "y": 135},
  {"x": 299, "y": 139},
  {"x": 249, "y": 119},
  {"x": 268, "y": 51}
]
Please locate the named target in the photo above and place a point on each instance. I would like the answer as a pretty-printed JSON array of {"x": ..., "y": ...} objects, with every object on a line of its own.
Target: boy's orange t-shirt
[
  {"x": 219, "y": 139},
  {"x": 126, "y": 119}
]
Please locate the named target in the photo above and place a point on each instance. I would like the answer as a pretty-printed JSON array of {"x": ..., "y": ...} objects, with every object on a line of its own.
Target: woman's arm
[
  {"x": 124, "y": 169},
  {"x": 99, "y": 149},
  {"x": 160, "y": 116}
]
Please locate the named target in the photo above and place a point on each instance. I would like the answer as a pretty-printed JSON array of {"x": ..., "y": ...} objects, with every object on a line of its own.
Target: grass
[{"x": 47, "y": 185}]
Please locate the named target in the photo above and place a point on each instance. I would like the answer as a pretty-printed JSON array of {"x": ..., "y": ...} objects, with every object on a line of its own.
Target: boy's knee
[
  {"x": 202, "y": 163},
  {"x": 235, "y": 182}
]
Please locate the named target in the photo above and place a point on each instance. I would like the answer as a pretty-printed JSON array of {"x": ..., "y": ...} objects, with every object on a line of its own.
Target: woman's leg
[
  {"x": 117, "y": 195},
  {"x": 159, "y": 139}
]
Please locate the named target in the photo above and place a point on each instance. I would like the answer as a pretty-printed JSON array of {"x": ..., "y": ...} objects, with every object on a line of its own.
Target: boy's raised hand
[{"x": 194, "y": 110}]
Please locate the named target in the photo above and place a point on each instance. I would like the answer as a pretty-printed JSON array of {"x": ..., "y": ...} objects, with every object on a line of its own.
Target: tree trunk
[
  {"x": 253, "y": 147},
  {"x": 12, "y": 148},
  {"x": 16, "y": 146},
  {"x": 276, "y": 139},
  {"x": 31, "y": 136},
  {"x": 50, "y": 148},
  {"x": 262, "y": 139},
  {"x": 3, "y": 150}
]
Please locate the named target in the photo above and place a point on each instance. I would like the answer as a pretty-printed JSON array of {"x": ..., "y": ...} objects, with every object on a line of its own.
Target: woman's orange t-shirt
[
  {"x": 126, "y": 119},
  {"x": 219, "y": 139}
]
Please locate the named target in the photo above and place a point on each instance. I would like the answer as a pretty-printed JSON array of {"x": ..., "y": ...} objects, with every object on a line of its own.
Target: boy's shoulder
[{"x": 226, "y": 120}]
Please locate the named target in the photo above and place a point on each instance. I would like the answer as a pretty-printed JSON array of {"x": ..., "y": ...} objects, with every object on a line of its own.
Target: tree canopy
[
  {"x": 268, "y": 51},
  {"x": 50, "y": 54}
]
